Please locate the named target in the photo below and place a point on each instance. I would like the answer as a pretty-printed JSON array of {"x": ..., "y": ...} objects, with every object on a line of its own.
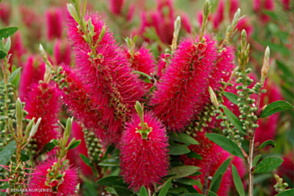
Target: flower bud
[
  {"x": 265, "y": 66},
  {"x": 213, "y": 97}
]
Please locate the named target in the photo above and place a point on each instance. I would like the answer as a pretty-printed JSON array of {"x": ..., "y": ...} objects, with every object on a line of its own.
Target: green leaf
[
  {"x": 193, "y": 194},
  {"x": 2, "y": 54},
  {"x": 112, "y": 181},
  {"x": 233, "y": 119},
  {"x": 112, "y": 161},
  {"x": 194, "y": 155},
  {"x": 122, "y": 191},
  {"x": 225, "y": 144},
  {"x": 24, "y": 157},
  {"x": 108, "y": 151},
  {"x": 217, "y": 178},
  {"x": 275, "y": 107},
  {"x": 262, "y": 178},
  {"x": 266, "y": 143},
  {"x": 12, "y": 76},
  {"x": 237, "y": 181},
  {"x": 143, "y": 74},
  {"x": 268, "y": 164},
  {"x": 177, "y": 149},
  {"x": 289, "y": 192},
  {"x": 48, "y": 147},
  {"x": 183, "y": 138},
  {"x": 270, "y": 14},
  {"x": 189, "y": 181},
  {"x": 210, "y": 193},
  {"x": 183, "y": 171},
  {"x": 165, "y": 188},
  {"x": 74, "y": 145},
  {"x": 231, "y": 97},
  {"x": 143, "y": 191},
  {"x": 16, "y": 79},
  {"x": 6, "y": 153},
  {"x": 7, "y": 31},
  {"x": 255, "y": 160},
  {"x": 86, "y": 160}
]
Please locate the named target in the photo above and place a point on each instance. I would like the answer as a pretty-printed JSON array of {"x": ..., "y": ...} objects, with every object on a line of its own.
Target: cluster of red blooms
[{"x": 102, "y": 90}]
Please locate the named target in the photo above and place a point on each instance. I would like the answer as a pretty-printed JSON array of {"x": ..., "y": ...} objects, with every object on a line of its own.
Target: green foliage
[
  {"x": 165, "y": 188},
  {"x": 237, "y": 181},
  {"x": 231, "y": 97},
  {"x": 15, "y": 75},
  {"x": 143, "y": 191},
  {"x": 74, "y": 145},
  {"x": 7, "y": 31},
  {"x": 177, "y": 149},
  {"x": 182, "y": 171},
  {"x": 267, "y": 143},
  {"x": 275, "y": 107},
  {"x": 6, "y": 153},
  {"x": 182, "y": 138},
  {"x": 233, "y": 119},
  {"x": 255, "y": 160},
  {"x": 218, "y": 175},
  {"x": 289, "y": 192},
  {"x": 111, "y": 162},
  {"x": 268, "y": 164},
  {"x": 225, "y": 144}
]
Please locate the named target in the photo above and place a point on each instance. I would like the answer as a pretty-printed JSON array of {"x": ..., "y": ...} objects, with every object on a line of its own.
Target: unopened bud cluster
[
  {"x": 17, "y": 175},
  {"x": 94, "y": 146},
  {"x": 280, "y": 186}
]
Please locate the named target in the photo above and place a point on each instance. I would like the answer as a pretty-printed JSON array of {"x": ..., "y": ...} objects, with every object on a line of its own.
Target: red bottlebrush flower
[
  {"x": 286, "y": 170},
  {"x": 32, "y": 21},
  {"x": 5, "y": 12},
  {"x": 185, "y": 79},
  {"x": 286, "y": 4},
  {"x": 42, "y": 102},
  {"x": 16, "y": 50},
  {"x": 219, "y": 15},
  {"x": 62, "y": 52},
  {"x": 33, "y": 71},
  {"x": 108, "y": 76},
  {"x": 220, "y": 72},
  {"x": 80, "y": 104},
  {"x": 163, "y": 63},
  {"x": 144, "y": 161},
  {"x": 131, "y": 12},
  {"x": 245, "y": 24},
  {"x": 39, "y": 177},
  {"x": 200, "y": 18},
  {"x": 212, "y": 157},
  {"x": 116, "y": 6},
  {"x": 73, "y": 155},
  {"x": 141, "y": 60},
  {"x": 234, "y": 5},
  {"x": 161, "y": 19},
  {"x": 259, "y": 6},
  {"x": 54, "y": 23}
]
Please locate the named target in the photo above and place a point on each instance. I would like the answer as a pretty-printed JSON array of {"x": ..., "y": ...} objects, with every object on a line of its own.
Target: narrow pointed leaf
[
  {"x": 275, "y": 107},
  {"x": 86, "y": 160},
  {"x": 286, "y": 193},
  {"x": 6, "y": 153},
  {"x": 121, "y": 191},
  {"x": 183, "y": 138},
  {"x": 3, "y": 54},
  {"x": 266, "y": 143},
  {"x": 165, "y": 188},
  {"x": 255, "y": 160},
  {"x": 233, "y": 119},
  {"x": 183, "y": 171},
  {"x": 237, "y": 181},
  {"x": 7, "y": 31},
  {"x": 177, "y": 149},
  {"x": 232, "y": 97},
  {"x": 225, "y": 144},
  {"x": 268, "y": 164},
  {"x": 217, "y": 177},
  {"x": 143, "y": 191}
]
